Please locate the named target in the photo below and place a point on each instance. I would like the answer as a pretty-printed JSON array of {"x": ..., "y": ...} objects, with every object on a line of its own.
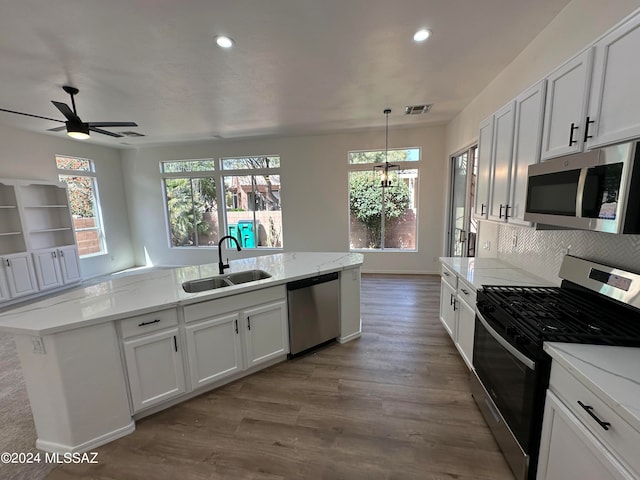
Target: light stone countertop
[
  {"x": 611, "y": 373},
  {"x": 125, "y": 296},
  {"x": 476, "y": 272}
]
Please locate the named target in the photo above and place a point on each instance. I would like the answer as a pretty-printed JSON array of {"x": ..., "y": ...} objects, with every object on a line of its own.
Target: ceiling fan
[{"x": 75, "y": 127}]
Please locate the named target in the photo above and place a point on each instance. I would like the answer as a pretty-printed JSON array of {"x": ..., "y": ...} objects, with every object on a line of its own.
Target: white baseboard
[
  {"x": 86, "y": 446},
  {"x": 349, "y": 338}
]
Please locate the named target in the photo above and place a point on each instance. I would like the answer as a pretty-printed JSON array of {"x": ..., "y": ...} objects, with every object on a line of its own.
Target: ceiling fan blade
[
  {"x": 30, "y": 115},
  {"x": 113, "y": 124},
  {"x": 67, "y": 112},
  {"x": 104, "y": 132},
  {"x": 57, "y": 129}
]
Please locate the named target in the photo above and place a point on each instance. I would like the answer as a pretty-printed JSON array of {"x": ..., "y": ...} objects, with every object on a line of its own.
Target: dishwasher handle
[{"x": 309, "y": 282}]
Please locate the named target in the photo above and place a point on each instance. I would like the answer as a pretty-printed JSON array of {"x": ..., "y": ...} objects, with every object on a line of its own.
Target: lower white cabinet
[
  {"x": 267, "y": 332},
  {"x": 55, "y": 267},
  {"x": 155, "y": 368},
  {"x": 21, "y": 279},
  {"x": 448, "y": 308},
  {"x": 214, "y": 349},
  {"x": 4, "y": 289},
  {"x": 465, "y": 330},
  {"x": 221, "y": 345},
  {"x": 569, "y": 451}
]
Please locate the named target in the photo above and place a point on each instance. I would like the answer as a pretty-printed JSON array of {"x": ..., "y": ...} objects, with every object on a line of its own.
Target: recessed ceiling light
[
  {"x": 421, "y": 35},
  {"x": 224, "y": 42}
]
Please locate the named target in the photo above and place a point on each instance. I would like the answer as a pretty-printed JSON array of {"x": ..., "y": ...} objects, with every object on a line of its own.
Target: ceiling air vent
[
  {"x": 417, "y": 109},
  {"x": 132, "y": 134}
]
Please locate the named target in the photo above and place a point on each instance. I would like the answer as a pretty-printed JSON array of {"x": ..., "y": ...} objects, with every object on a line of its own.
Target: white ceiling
[{"x": 298, "y": 67}]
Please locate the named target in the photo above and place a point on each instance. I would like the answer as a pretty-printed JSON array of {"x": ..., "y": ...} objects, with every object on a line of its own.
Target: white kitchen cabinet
[
  {"x": 529, "y": 116},
  {"x": 448, "y": 307},
  {"x": 214, "y": 349},
  {"x": 21, "y": 278},
  {"x": 232, "y": 334},
  {"x": 566, "y": 106},
  {"x": 500, "y": 171},
  {"x": 569, "y": 451},
  {"x": 155, "y": 368},
  {"x": 4, "y": 288},
  {"x": 615, "y": 92},
  {"x": 267, "y": 334},
  {"x": 466, "y": 324},
  {"x": 485, "y": 145},
  {"x": 69, "y": 264},
  {"x": 47, "y": 268}
]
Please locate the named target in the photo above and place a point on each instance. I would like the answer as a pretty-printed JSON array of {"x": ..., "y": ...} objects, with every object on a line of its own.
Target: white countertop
[
  {"x": 490, "y": 271},
  {"x": 147, "y": 292},
  {"x": 611, "y": 373}
]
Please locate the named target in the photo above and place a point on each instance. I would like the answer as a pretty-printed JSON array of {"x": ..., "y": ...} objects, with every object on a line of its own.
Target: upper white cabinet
[
  {"x": 485, "y": 145},
  {"x": 500, "y": 172},
  {"x": 565, "y": 117},
  {"x": 37, "y": 241},
  {"x": 615, "y": 91},
  {"x": 529, "y": 116}
]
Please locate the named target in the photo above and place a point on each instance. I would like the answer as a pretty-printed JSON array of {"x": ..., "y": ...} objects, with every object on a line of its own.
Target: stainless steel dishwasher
[{"x": 314, "y": 311}]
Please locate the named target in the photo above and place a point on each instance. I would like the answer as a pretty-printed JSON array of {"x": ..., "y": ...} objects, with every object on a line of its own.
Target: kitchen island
[{"x": 97, "y": 358}]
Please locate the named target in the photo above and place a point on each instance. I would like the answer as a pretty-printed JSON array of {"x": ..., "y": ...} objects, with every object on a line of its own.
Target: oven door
[{"x": 509, "y": 377}]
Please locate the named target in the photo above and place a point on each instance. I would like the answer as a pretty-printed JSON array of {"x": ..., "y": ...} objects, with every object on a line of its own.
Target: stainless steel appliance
[
  {"x": 596, "y": 190},
  {"x": 314, "y": 312},
  {"x": 594, "y": 304}
]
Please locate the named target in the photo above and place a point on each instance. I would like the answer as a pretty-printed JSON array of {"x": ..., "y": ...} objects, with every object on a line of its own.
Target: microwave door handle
[
  {"x": 530, "y": 364},
  {"x": 580, "y": 194}
]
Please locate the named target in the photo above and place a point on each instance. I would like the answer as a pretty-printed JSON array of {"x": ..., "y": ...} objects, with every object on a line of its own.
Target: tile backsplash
[{"x": 541, "y": 251}]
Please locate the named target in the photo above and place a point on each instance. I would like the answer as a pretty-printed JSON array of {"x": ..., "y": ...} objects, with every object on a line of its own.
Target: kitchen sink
[
  {"x": 203, "y": 284},
  {"x": 221, "y": 281},
  {"x": 247, "y": 276}
]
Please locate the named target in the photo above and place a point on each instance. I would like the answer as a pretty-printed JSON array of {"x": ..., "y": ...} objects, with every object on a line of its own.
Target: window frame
[
  {"x": 403, "y": 166},
  {"x": 93, "y": 176},
  {"x": 251, "y": 172}
]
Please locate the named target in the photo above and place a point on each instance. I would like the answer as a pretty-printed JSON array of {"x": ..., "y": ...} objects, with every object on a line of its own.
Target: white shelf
[
  {"x": 48, "y": 230},
  {"x": 46, "y": 206},
  {"x": 9, "y": 233},
  {"x": 8, "y": 206}
]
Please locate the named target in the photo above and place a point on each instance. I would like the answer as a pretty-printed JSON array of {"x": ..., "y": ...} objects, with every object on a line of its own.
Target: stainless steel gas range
[{"x": 595, "y": 304}]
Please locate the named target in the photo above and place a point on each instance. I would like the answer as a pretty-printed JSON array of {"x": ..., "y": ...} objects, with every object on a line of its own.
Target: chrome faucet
[{"x": 221, "y": 264}]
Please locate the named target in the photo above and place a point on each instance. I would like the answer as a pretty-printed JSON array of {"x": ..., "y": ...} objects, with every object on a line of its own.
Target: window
[
  {"x": 82, "y": 189},
  {"x": 368, "y": 227},
  {"x": 191, "y": 199},
  {"x": 252, "y": 206}
]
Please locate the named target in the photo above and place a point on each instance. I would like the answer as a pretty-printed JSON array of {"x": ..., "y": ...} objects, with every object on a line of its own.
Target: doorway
[{"x": 462, "y": 227}]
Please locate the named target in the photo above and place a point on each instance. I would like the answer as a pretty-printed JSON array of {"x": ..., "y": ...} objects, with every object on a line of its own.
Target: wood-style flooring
[{"x": 394, "y": 404}]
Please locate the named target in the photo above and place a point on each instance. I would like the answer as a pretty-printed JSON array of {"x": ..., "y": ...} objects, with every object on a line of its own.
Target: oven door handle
[{"x": 530, "y": 364}]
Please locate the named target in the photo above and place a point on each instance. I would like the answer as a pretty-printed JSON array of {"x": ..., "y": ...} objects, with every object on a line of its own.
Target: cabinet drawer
[
  {"x": 467, "y": 294},
  {"x": 620, "y": 437},
  {"x": 150, "y": 322},
  {"x": 449, "y": 277}
]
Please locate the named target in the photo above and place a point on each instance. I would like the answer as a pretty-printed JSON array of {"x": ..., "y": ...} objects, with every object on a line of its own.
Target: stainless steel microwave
[{"x": 597, "y": 190}]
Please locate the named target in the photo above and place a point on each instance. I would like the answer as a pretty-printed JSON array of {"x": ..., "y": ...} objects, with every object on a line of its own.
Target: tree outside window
[{"x": 373, "y": 209}]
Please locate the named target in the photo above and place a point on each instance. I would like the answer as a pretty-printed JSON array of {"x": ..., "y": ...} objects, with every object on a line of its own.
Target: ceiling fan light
[{"x": 78, "y": 131}]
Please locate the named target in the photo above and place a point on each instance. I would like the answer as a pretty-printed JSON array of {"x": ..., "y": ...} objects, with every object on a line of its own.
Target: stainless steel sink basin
[
  {"x": 247, "y": 276},
  {"x": 211, "y": 283},
  {"x": 203, "y": 284}
]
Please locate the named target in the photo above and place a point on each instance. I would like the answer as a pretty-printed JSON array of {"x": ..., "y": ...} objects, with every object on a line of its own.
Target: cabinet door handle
[
  {"x": 501, "y": 207},
  {"x": 446, "y": 274},
  {"x": 574, "y": 127},
  {"x": 61, "y": 253},
  {"x": 464, "y": 291},
  {"x": 482, "y": 207},
  {"x": 454, "y": 304},
  {"x": 589, "y": 410},
  {"x": 149, "y": 323},
  {"x": 8, "y": 263},
  {"x": 175, "y": 343},
  {"x": 53, "y": 254},
  {"x": 249, "y": 323},
  {"x": 586, "y": 129},
  {"x": 506, "y": 211},
  {"x": 236, "y": 326}
]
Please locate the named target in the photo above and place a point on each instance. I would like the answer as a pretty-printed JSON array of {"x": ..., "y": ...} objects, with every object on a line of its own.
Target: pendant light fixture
[{"x": 385, "y": 179}]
